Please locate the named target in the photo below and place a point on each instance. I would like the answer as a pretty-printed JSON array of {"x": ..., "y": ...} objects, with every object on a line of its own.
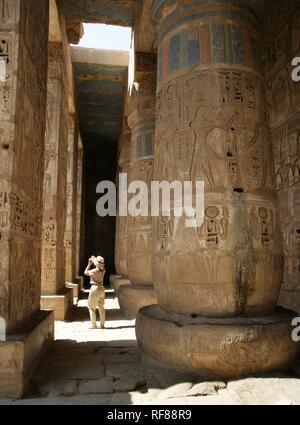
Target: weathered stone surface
[
  {"x": 101, "y": 386},
  {"x": 205, "y": 389},
  {"x": 267, "y": 391},
  {"x": 61, "y": 303},
  {"x": 219, "y": 347},
  {"x": 133, "y": 297},
  {"x": 118, "y": 370},
  {"x": 75, "y": 290},
  {"x": 64, "y": 389},
  {"x": 117, "y": 283},
  {"x": 112, "y": 277},
  {"x": 175, "y": 391},
  {"x": 130, "y": 382},
  {"x": 21, "y": 354}
]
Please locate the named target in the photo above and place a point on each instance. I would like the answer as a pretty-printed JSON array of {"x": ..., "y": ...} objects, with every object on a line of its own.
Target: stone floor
[{"x": 103, "y": 367}]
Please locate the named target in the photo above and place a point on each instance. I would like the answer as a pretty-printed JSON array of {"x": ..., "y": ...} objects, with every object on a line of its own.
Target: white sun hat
[{"x": 99, "y": 260}]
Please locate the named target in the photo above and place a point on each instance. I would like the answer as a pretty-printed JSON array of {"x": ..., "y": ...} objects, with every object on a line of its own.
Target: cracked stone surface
[{"x": 104, "y": 367}]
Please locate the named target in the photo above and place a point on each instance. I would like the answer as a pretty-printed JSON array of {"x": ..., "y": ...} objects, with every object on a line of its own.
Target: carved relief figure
[
  {"x": 215, "y": 226},
  {"x": 262, "y": 225}
]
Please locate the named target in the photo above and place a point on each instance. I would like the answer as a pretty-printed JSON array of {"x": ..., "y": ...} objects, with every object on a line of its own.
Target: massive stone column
[
  {"x": 23, "y": 92},
  {"x": 54, "y": 293},
  {"x": 79, "y": 272},
  {"x": 217, "y": 285},
  {"x": 70, "y": 230},
  {"x": 71, "y": 211},
  {"x": 283, "y": 100},
  {"x": 141, "y": 119},
  {"x": 122, "y": 222}
]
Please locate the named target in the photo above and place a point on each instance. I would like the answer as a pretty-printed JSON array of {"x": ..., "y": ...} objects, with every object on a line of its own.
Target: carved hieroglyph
[
  {"x": 141, "y": 119},
  {"x": 211, "y": 127},
  {"x": 282, "y": 44},
  {"x": 55, "y": 178},
  {"x": 23, "y": 56}
]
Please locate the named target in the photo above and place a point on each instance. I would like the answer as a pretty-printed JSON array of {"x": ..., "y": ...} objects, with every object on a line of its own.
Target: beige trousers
[{"x": 96, "y": 300}]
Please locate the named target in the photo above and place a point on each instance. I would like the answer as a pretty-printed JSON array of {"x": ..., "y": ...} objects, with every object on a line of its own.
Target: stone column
[
  {"x": 221, "y": 280},
  {"x": 23, "y": 92},
  {"x": 79, "y": 277},
  {"x": 141, "y": 119},
  {"x": 283, "y": 99},
  {"x": 122, "y": 222},
  {"x": 55, "y": 295},
  {"x": 70, "y": 230}
]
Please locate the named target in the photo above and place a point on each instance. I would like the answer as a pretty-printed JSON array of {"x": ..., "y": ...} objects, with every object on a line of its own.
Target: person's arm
[{"x": 87, "y": 270}]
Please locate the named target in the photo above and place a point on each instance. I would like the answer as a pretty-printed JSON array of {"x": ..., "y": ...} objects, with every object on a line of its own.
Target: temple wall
[
  {"x": 281, "y": 45},
  {"x": 23, "y": 55}
]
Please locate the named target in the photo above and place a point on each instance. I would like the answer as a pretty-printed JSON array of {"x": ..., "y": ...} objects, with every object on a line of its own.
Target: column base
[
  {"x": 222, "y": 348},
  {"x": 76, "y": 291},
  {"x": 61, "y": 304},
  {"x": 112, "y": 277},
  {"x": 117, "y": 283},
  {"x": 134, "y": 297},
  {"x": 80, "y": 281},
  {"x": 21, "y": 354}
]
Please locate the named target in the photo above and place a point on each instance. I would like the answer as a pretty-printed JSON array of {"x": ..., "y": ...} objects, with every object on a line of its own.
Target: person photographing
[{"x": 96, "y": 271}]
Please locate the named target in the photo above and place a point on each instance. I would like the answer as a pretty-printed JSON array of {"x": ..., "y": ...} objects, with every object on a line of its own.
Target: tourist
[{"x": 97, "y": 293}]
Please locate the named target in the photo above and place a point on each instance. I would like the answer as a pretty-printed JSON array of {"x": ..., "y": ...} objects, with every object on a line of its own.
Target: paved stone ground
[{"x": 103, "y": 367}]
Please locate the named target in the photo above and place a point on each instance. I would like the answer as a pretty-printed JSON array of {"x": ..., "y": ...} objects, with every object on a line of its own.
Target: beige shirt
[{"x": 97, "y": 276}]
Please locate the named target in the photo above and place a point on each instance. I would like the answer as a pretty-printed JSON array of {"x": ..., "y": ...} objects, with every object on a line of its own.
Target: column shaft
[
  {"x": 217, "y": 285},
  {"x": 55, "y": 179},
  {"x": 26, "y": 332},
  {"x": 70, "y": 230},
  {"x": 141, "y": 120},
  {"x": 23, "y": 64},
  {"x": 211, "y": 126}
]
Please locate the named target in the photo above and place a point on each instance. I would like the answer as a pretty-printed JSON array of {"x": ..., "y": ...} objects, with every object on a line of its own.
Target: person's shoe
[
  {"x": 93, "y": 327},
  {"x": 102, "y": 326}
]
